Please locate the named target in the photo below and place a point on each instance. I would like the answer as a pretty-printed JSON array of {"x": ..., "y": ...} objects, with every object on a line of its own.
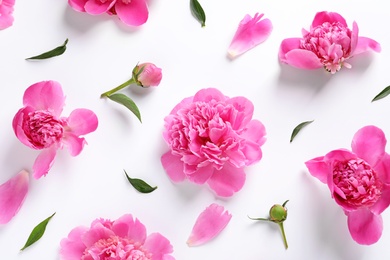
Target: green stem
[
  {"x": 121, "y": 86},
  {"x": 283, "y": 234}
]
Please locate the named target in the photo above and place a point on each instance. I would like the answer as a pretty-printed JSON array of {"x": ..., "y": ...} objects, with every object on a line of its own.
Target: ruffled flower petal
[
  {"x": 250, "y": 33},
  {"x": 330, "y": 17},
  {"x": 227, "y": 181},
  {"x": 209, "y": 224},
  {"x": 127, "y": 226},
  {"x": 43, "y": 162},
  {"x": 159, "y": 246},
  {"x": 73, "y": 246},
  {"x": 134, "y": 13},
  {"x": 12, "y": 195},
  {"x": 364, "y": 226}
]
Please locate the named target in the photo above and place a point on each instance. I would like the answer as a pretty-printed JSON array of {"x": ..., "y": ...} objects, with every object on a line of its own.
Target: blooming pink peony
[
  {"x": 250, "y": 33},
  {"x": 147, "y": 75},
  {"x": 6, "y": 10},
  {"x": 12, "y": 195},
  {"x": 359, "y": 182},
  {"x": 39, "y": 125},
  {"x": 211, "y": 139},
  {"x": 328, "y": 44},
  {"x": 124, "y": 238},
  {"x": 131, "y": 12}
]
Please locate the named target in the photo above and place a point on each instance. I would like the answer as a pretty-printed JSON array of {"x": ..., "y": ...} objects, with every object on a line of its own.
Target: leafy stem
[{"x": 121, "y": 86}]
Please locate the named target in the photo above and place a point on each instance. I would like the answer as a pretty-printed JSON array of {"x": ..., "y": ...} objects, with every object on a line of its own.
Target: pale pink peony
[
  {"x": 147, "y": 75},
  {"x": 39, "y": 124},
  {"x": 124, "y": 238},
  {"x": 12, "y": 195},
  {"x": 209, "y": 224},
  {"x": 6, "y": 10},
  {"x": 328, "y": 44},
  {"x": 130, "y": 12},
  {"x": 211, "y": 139},
  {"x": 359, "y": 181},
  {"x": 250, "y": 33}
]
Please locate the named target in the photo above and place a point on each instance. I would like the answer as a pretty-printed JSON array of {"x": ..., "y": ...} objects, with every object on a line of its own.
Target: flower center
[
  {"x": 356, "y": 183},
  {"x": 331, "y": 42},
  {"x": 43, "y": 129},
  {"x": 116, "y": 248}
]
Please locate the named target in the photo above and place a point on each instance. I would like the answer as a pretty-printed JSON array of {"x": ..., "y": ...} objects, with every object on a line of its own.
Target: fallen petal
[{"x": 209, "y": 224}]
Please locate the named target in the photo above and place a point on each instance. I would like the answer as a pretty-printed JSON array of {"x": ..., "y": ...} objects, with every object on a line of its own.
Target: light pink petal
[
  {"x": 383, "y": 168},
  {"x": 245, "y": 110},
  {"x": 250, "y": 33},
  {"x": 208, "y": 94},
  {"x": 227, "y": 181},
  {"x": 44, "y": 162},
  {"x": 6, "y": 10},
  {"x": 331, "y": 17},
  {"x": 158, "y": 246},
  {"x": 202, "y": 174},
  {"x": 78, "y": 5},
  {"x": 12, "y": 195},
  {"x": 134, "y": 13},
  {"x": 131, "y": 228},
  {"x": 318, "y": 168},
  {"x": 364, "y": 226},
  {"x": 98, "y": 7},
  {"x": 99, "y": 231},
  {"x": 354, "y": 37},
  {"x": 72, "y": 247},
  {"x": 383, "y": 202},
  {"x": 286, "y": 46},
  {"x": 173, "y": 167},
  {"x": 180, "y": 105},
  {"x": 74, "y": 143},
  {"x": 82, "y": 121},
  {"x": 45, "y": 95},
  {"x": 209, "y": 224},
  {"x": 365, "y": 44},
  {"x": 255, "y": 132},
  {"x": 369, "y": 144},
  {"x": 303, "y": 59}
]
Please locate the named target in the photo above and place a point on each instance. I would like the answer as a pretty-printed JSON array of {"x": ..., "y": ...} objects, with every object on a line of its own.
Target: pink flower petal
[
  {"x": 17, "y": 125},
  {"x": 318, "y": 168},
  {"x": 383, "y": 202},
  {"x": 77, "y": 5},
  {"x": 286, "y": 46},
  {"x": 45, "y": 95},
  {"x": 383, "y": 169},
  {"x": 364, "y": 226},
  {"x": 369, "y": 144},
  {"x": 202, "y": 174},
  {"x": 173, "y": 166},
  {"x": 250, "y": 33},
  {"x": 209, "y": 224},
  {"x": 98, "y": 232},
  {"x": 74, "y": 143},
  {"x": 72, "y": 247},
  {"x": 6, "y": 10},
  {"x": 134, "y": 13},
  {"x": 82, "y": 121},
  {"x": 98, "y": 7},
  {"x": 159, "y": 247},
  {"x": 365, "y": 44},
  {"x": 227, "y": 181},
  {"x": 12, "y": 195},
  {"x": 302, "y": 59},
  {"x": 245, "y": 110},
  {"x": 330, "y": 17},
  {"x": 208, "y": 94},
  {"x": 43, "y": 162},
  {"x": 127, "y": 226}
]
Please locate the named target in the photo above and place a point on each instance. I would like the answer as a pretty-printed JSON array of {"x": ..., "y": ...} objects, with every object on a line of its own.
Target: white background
[{"x": 101, "y": 54}]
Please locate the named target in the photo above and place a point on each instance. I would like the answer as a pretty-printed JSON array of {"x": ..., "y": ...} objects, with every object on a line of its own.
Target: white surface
[{"x": 101, "y": 54}]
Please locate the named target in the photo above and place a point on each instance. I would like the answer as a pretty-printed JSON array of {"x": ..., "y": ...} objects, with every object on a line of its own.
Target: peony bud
[{"x": 147, "y": 75}]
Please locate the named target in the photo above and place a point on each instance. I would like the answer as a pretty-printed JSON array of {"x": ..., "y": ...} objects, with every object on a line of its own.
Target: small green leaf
[
  {"x": 299, "y": 128},
  {"x": 127, "y": 102},
  {"x": 382, "y": 94},
  {"x": 197, "y": 11},
  {"x": 52, "y": 53},
  {"x": 37, "y": 233},
  {"x": 140, "y": 185}
]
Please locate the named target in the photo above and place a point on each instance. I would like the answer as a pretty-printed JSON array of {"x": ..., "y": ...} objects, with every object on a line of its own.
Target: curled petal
[
  {"x": 12, "y": 195},
  {"x": 302, "y": 59},
  {"x": 127, "y": 226},
  {"x": 159, "y": 247},
  {"x": 74, "y": 143},
  {"x": 82, "y": 121},
  {"x": 250, "y": 33},
  {"x": 208, "y": 94},
  {"x": 331, "y": 17},
  {"x": 365, "y": 44},
  {"x": 227, "y": 181},
  {"x": 73, "y": 247},
  {"x": 173, "y": 166},
  {"x": 134, "y": 13},
  {"x": 318, "y": 168},
  {"x": 43, "y": 162},
  {"x": 365, "y": 227},
  {"x": 209, "y": 224},
  {"x": 98, "y": 7}
]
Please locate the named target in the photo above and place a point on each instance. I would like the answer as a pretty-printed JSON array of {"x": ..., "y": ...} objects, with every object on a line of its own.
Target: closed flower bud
[
  {"x": 278, "y": 213},
  {"x": 147, "y": 75}
]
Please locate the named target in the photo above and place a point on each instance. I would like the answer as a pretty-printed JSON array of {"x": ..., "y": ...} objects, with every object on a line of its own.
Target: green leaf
[
  {"x": 140, "y": 185},
  {"x": 127, "y": 102},
  {"x": 37, "y": 232},
  {"x": 382, "y": 94},
  {"x": 197, "y": 11},
  {"x": 52, "y": 53},
  {"x": 299, "y": 128}
]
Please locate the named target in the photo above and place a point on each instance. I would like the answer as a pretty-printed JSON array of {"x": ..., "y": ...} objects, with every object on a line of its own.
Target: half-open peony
[
  {"x": 212, "y": 138},
  {"x": 209, "y": 224},
  {"x": 328, "y": 44},
  {"x": 39, "y": 124},
  {"x": 6, "y": 10},
  {"x": 124, "y": 238},
  {"x": 130, "y": 12},
  {"x": 12, "y": 195},
  {"x": 359, "y": 181},
  {"x": 250, "y": 33}
]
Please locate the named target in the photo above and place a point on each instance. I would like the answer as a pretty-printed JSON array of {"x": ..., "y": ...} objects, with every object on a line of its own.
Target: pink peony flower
[
  {"x": 124, "y": 238},
  {"x": 359, "y": 181},
  {"x": 6, "y": 10},
  {"x": 12, "y": 195},
  {"x": 212, "y": 138},
  {"x": 209, "y": 224},
  {"x": 250, "y": 33},
  {"x": 131, "y": 12},
  {"x": 39, "y": 125},
  {"x": 328, "y": 44},
  {"x": 147, "y": 75}
]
